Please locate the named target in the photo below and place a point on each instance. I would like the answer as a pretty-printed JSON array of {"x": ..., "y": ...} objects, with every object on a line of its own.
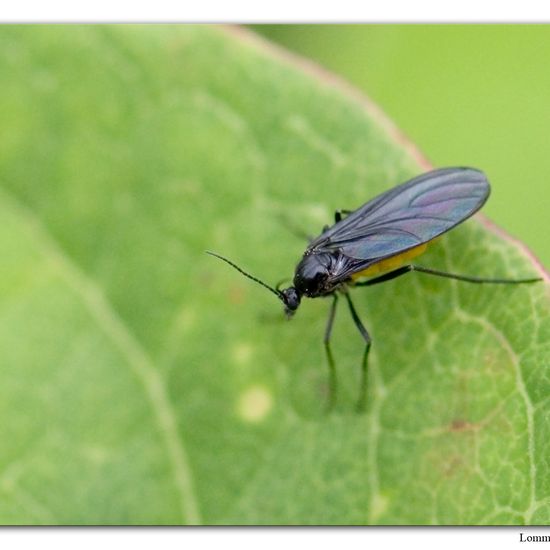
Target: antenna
[{"x": 277, "y": 293}]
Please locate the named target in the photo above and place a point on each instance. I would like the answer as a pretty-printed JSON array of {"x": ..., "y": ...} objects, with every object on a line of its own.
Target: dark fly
[{"x": 377, "y": 242}]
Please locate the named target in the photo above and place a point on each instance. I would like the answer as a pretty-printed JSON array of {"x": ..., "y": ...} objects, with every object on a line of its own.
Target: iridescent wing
[{"x": 406, "y": 216}]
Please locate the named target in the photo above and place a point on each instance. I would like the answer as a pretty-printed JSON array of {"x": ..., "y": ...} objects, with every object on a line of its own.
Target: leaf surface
[{"x": 144, "y": 382}]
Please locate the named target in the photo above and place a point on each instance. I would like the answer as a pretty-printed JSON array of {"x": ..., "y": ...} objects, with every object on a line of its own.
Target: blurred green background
[{"x": 476, "y": 95}]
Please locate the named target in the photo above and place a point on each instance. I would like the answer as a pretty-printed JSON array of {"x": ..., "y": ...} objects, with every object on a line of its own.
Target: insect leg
[
  {"x": 470, "y": 278},
  {"x": 338, "y": 214},
  {"x": 330, "y": 358},
  {"x": 386, "y": 277},
  {"x": 364, "y": 364}
]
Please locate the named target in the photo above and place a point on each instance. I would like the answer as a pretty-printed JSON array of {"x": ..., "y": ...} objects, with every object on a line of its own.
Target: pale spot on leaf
[{"x": 255, "y": 403}]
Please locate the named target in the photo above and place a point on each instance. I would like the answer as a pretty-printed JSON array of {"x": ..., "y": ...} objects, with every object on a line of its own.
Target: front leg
[
  {"x": 332, "y": 381},
  {"x": 364, "y": 365}
]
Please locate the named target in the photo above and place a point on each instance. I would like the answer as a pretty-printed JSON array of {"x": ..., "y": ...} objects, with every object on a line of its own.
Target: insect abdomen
[{"x": 391, "y": 263}]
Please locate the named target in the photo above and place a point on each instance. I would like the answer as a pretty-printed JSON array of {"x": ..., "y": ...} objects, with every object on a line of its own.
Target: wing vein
[{"x": 392, "y": 223}]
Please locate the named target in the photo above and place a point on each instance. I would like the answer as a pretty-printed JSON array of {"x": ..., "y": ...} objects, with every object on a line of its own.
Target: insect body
[{"x": 378, "y": 240}]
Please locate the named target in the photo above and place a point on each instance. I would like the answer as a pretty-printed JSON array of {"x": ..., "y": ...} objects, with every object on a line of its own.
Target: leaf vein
[{"x": 138, "y": 359}]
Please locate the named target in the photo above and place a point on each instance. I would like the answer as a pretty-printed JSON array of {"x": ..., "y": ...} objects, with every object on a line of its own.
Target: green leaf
[{"x": 143, "y": 381}]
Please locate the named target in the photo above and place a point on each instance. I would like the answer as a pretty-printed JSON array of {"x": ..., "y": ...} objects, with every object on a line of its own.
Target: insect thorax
[{"x": 318, "y": 274}]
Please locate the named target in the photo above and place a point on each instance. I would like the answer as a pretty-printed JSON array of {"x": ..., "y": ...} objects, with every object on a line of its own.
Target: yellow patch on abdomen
[{"x": 391, "y": 263}]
